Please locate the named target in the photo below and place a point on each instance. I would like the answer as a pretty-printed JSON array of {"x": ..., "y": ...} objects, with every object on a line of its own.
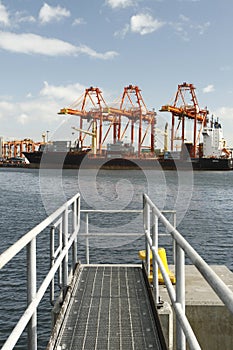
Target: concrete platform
[{"x": 211, "y": 321}]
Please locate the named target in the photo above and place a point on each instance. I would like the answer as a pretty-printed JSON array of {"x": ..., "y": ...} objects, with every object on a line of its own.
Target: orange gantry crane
[
  {"x": 182, "y": 110},
  {"x": 17, "y": 147},
  {"x": 132, "y": 106},
  {"x": 93, "y": 96}
]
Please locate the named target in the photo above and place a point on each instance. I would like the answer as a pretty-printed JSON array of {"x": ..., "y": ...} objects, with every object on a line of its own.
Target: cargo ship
[{"x": 213, "y": 155}]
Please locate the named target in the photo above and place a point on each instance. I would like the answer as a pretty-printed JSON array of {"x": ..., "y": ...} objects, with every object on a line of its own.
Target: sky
[{"x": 50, "y": 52}]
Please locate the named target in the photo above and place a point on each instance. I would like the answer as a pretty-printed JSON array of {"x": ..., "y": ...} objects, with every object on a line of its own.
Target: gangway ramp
[{"x": 109, "y": 308}]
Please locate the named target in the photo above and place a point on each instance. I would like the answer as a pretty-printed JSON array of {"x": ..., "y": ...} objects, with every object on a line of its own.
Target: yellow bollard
[{"x": 163, "y": 257}]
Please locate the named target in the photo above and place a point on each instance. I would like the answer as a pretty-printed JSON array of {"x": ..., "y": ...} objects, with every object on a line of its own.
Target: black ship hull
[{"x": 75, "y": 160}]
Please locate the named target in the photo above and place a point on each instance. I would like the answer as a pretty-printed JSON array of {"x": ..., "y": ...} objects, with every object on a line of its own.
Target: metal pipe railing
[
  {"x": 177, "y": 297},
  {"x": 87, "y": 234},
  {"x": 64, "y": 226},
  {"x": 59, "y": 257}
]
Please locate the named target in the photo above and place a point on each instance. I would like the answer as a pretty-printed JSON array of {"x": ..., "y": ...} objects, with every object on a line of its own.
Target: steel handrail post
[
  {"x": 74, "y": 229},
  {"x": 87, "y": 239},
  {"x": 147, "y": 214},
  {"x": 60, "y": 245},
  {"x": 155, "y": 264},
  {"x": 52, "y": 233},
  {"x": 180, "y": 294},
  {"x": 145, "y": 225},
  {"x": 31, "y": 292},
  {"x": 65, "y": 242},
  {"x": 173, "y": 240}
]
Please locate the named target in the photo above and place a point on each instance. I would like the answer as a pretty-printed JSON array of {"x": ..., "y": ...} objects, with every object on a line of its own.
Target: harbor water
[{"x": 203, "y": 201}]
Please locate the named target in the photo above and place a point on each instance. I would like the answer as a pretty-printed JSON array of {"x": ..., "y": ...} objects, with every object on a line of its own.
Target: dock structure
[
  {"x": 108, "y": 308},
  {"x": 118, "y": 306}
]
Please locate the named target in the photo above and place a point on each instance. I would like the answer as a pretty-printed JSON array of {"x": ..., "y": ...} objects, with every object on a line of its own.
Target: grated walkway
[{"x": 109, "y": 309}]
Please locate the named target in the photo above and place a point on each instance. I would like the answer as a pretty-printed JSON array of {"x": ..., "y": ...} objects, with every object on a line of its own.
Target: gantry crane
[
  {"x": 16, "y": 148},
  {"x": 101, "y": 112},
  {"x": 93, "y": 96},
  {"x": 140, "y": 113},
  {"x": 182, "y": 110}
]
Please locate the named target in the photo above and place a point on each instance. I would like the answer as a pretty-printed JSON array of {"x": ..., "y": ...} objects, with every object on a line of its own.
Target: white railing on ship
[
  {"x": 63, "y": 218},
  {"x": 151, "y": 218}
]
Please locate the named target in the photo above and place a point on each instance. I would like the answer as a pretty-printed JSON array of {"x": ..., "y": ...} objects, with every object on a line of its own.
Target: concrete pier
[{"x": 211, "y": 321}]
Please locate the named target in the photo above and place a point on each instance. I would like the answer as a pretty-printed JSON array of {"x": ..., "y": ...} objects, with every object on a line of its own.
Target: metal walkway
[
  {"x": 104, "y": 306},
  {"x": 109, "y": 309}
]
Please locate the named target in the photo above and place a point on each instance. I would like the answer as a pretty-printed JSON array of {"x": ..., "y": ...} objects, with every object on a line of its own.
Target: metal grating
[{"x": 110, "y": 310}]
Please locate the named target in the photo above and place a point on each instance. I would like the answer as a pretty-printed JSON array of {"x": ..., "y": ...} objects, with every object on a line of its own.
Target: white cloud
[
  {"x": 23, "y": 118},
  {"x": 208, "y": 88},
  {"x": 185, "y": 26},
  {"x": 92, "y": 53},
  {"x": 33, "y": 116},
  {"x": 34, "y": 44},
  {"x": 22, "y": 17},
  {"x": 39, "y": 109},
  {"x": 5, "y": 108},
  {"x": 119, "y": 3},
  {"x": 184, "y": 18},
  {"x": 4, "y": 15},
  {"x": 30, "y": 118},
  {"x": 224, "y": 114},
  {"x": 122, "y": 33},
  {"x": 78, "y": 21},
  {"x": 144, "y": 24},
  {"x": 200, "y": 28},
  {"x": 68, "y": 93},
  {"x": 31, "y": 43},
  {"x": 48, "y": 13}
]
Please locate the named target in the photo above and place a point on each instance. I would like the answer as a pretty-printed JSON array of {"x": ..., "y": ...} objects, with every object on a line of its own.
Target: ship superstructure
[{"x": 214, "y": 144}]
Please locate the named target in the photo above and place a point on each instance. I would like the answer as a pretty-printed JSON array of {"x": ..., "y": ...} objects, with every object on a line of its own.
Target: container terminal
[{"x": 131, "y": 120}]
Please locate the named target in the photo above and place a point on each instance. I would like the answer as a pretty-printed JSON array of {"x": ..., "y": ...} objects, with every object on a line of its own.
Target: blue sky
[{"x": 51, "y": 51}]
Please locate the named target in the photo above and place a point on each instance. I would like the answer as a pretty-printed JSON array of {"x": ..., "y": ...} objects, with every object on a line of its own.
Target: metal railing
[
  {"x": 151, "y": 218},
  {"x": 65, "y": 220},
  {"x": 87, "y": 234},
  {"x": 64, "y": 225}
]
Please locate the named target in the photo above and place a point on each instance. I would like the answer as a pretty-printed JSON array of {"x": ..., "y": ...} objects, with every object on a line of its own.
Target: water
[{"x": 203, "y": 201}]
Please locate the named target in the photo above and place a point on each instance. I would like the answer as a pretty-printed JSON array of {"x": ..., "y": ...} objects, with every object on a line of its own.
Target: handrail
[
  {"x": 88, "y": 234},
  {"x": 65, "y": 222},
  {"x": 61, "y": 220},
  {"x": 152, "y": 214}
]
